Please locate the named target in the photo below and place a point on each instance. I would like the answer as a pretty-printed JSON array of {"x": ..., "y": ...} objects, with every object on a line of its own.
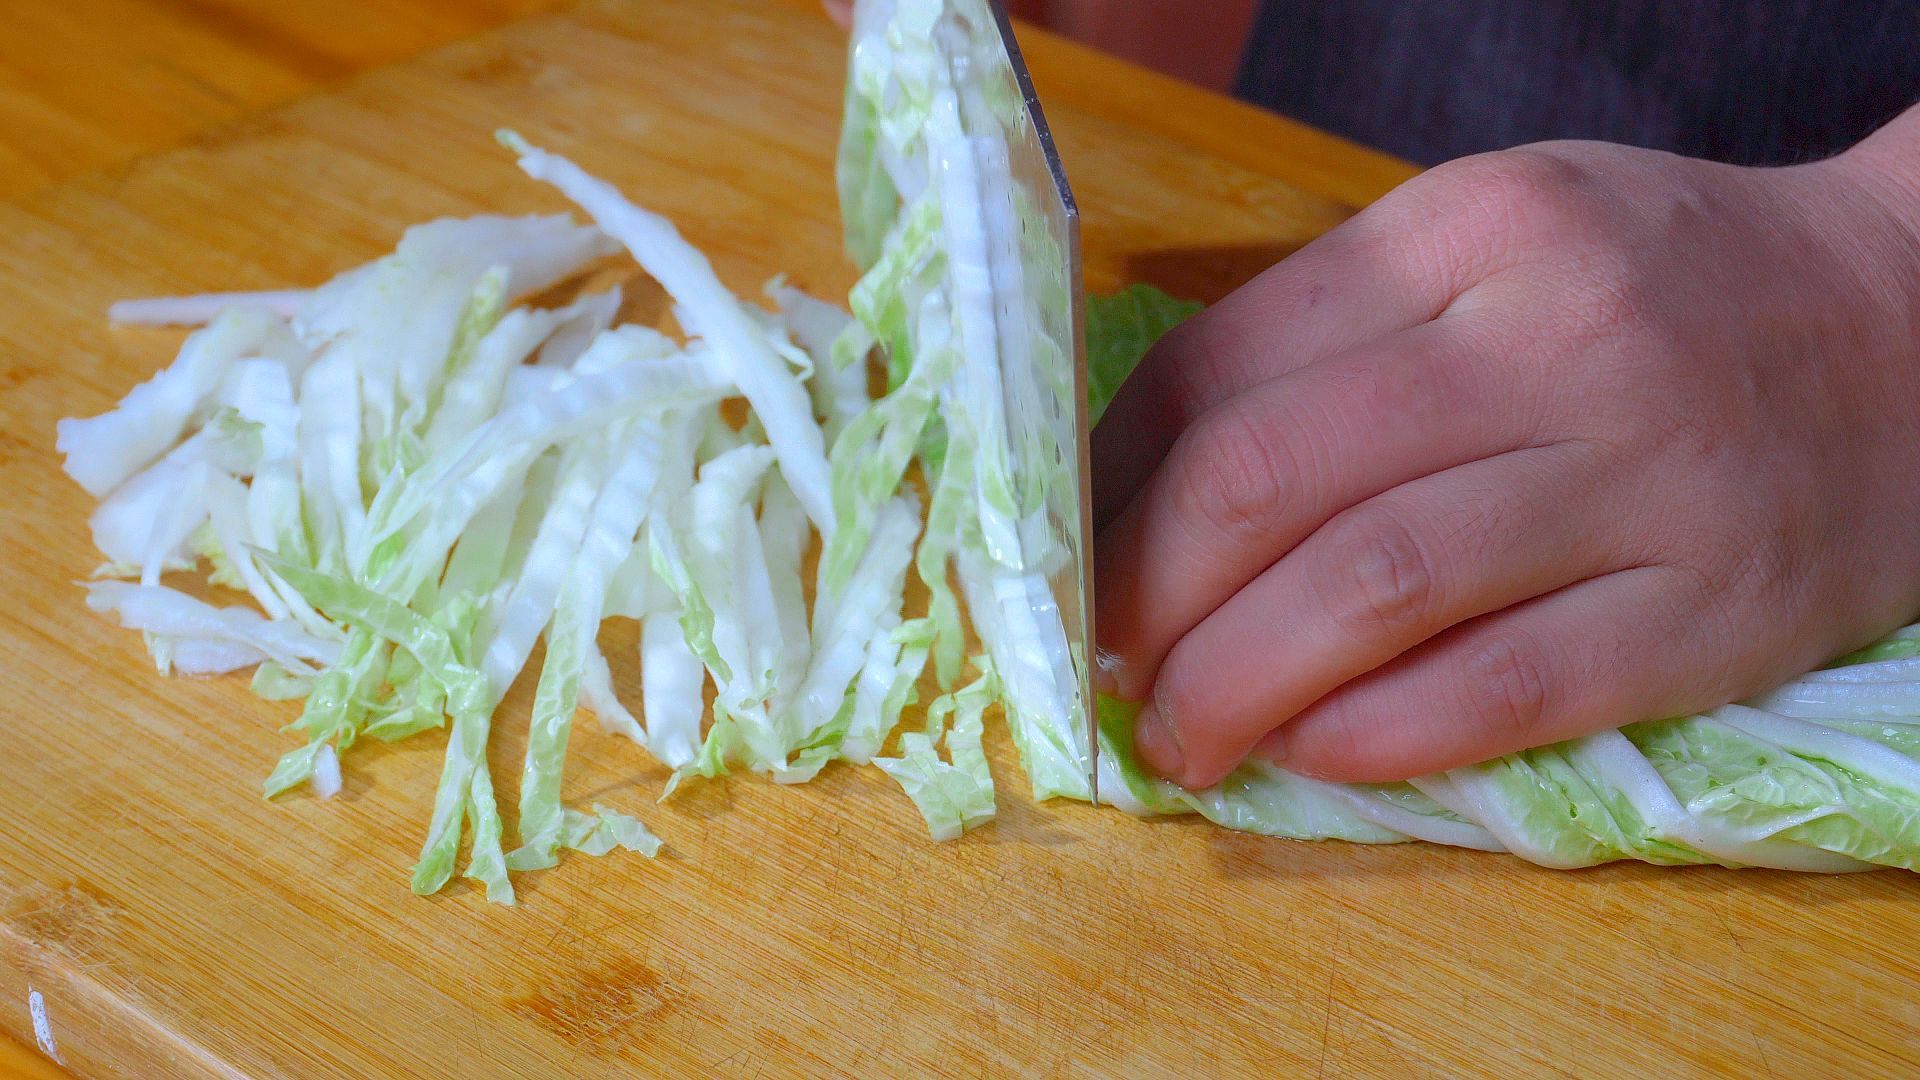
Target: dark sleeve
[{"x": 1744, "y": 81}]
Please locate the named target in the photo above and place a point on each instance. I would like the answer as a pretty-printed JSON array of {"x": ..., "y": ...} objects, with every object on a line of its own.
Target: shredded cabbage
[
  {"x": 407, "y": 478},
  {"x": 415, "y": 480}
]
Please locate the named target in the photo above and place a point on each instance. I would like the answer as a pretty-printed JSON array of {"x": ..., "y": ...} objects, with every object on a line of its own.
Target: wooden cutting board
[{"x": 178, "y": 925}]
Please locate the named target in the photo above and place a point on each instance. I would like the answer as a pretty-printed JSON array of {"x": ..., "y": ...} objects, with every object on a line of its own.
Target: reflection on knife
[
  {"x": 1033, "y": 230},
  {"x": 948, "y": 170}
]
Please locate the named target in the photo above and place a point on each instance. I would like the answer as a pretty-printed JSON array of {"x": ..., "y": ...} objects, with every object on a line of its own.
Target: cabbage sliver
[{"x": 956, "y": 794}]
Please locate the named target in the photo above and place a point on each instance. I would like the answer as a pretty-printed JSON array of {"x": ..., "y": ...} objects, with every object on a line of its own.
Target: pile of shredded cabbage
[{"x": 414, "y": 477}]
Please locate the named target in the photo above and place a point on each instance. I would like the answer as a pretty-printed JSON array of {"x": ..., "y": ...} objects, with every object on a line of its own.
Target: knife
[{"x": 1040, "y": 303}]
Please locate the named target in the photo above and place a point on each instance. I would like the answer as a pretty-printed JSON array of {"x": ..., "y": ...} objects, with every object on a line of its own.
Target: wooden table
[{"x": 178, "y": 925}]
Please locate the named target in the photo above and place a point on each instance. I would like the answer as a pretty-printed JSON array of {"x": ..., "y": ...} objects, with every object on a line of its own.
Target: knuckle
[
  {"x": 1536, "y": 177},
  {"x": 1506, "y": 691},
  {"x": 1388, "y": 583},
  {"x": 1531, "y": 191},
  {"x": 1233, "y": 473}
]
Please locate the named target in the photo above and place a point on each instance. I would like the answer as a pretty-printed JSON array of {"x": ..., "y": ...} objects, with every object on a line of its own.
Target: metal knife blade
[{"x": 1040, "y": 310}]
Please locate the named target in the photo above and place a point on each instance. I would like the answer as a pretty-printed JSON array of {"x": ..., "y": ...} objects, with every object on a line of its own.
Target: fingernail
[{"x": 1154, "y": 740}]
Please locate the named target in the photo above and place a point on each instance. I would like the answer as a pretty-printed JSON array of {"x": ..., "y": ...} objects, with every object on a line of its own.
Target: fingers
[
  {"x": 1256, "y": 475},
  {"x": 1378, "y": 273},
  {"x": 1372, "y": 583},
  {"x": 1613, "y": 650}
]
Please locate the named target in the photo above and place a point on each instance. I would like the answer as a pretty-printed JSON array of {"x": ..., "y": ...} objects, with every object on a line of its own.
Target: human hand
[{"x": 1545, "y": 441}]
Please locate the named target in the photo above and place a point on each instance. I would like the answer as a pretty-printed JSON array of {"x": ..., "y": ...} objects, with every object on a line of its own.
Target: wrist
[
  {"x": 1886, "y": 167},
  {"x": 1875, "y": 187}
]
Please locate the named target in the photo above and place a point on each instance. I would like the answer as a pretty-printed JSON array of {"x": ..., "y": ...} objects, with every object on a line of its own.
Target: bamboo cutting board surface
[
  {"x": 87, "y": 84},
  {"x": 178, "y": 925}
]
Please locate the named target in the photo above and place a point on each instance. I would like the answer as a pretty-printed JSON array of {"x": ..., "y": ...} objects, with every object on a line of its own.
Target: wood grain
[
  {"x": 86, "y": 84},
  {"x": 180, "y": 926}
]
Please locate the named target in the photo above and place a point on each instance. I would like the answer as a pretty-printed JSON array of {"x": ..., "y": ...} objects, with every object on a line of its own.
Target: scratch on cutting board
[
  {"x": 42, "y": 1029},
  {"x": 1326, "y": 1016}
]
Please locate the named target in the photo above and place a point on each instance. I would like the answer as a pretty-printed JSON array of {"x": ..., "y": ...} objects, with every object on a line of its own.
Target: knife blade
[{"x": 1039, "y": 306}]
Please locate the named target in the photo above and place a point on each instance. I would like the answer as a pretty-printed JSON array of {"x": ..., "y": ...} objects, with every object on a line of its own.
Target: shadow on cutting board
[{"x": 1205, "y": 274}]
